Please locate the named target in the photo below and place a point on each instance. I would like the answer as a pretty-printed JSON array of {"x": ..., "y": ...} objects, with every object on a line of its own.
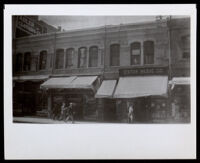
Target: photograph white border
[{"x": 97, "y": 141}]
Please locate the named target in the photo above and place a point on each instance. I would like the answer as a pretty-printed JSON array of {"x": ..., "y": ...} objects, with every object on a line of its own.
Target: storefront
[
  {"x": 147, "y": 89},
  {"x": 77, "y": 89},
  {"x": 28, "y": 99},
  {"x": 180, "y": 99}
]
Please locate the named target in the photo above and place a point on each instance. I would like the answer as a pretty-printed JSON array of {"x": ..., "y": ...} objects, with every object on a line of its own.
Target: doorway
[{"x": 110, "y": 110}]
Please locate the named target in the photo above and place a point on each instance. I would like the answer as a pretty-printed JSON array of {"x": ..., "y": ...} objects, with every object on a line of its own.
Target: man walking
[
  {"x": 70, "y": 111},
  {"x": 130, "y": 113}
]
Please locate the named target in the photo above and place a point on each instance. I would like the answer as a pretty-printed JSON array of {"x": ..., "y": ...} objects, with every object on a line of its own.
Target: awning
[
  {"x": 30, "y": 78},
  {"x": 106, "y": 89},
  {"x": 179, "y": 81},
  {"x": 61, "y": 82},
  {"x": 83, "y": 82},
  {"x": 130, "y": 87}
]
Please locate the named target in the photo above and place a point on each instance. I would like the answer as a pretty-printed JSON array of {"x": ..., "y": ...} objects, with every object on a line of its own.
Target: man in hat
[{"x": 130, "y": 113}]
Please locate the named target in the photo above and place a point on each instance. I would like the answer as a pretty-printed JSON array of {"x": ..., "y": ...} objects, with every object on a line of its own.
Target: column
[{"x": 49, "y": 98}]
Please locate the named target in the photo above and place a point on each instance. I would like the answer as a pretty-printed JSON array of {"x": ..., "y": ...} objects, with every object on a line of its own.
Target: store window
[
  {"x": 185, "y": 41},
  {"x": 148, "y": 52},
  {"x": 59, "y": 58},
  {"x": 69, "y": 57},
  {"x": 82, "y": 57},
  {"x": 19, "y": 62},
  {"x": 135, "y": 53},
  {"x": 93, "y": 56},
  {"x": 27, "y": 61},
  {"x": 114, "y": 54},
  {"x": 43, "y": 60}
]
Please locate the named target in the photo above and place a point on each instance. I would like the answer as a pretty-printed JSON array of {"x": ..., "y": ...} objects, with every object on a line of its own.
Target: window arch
[
  {"x": 82, "y": 57},
  {"x": 59, "y": 58},
  {"x": 69, "y": 57},
  {"x": 114, "y": 54},
  {"x": 19, "y": 62},
  {"x": 135, "y": 51},
  {"x": 43, "y": 60},
  {"x": 148, "y": 52},
  {"x": 27, "y": 61},
  {"x": 93, "y": 56}
]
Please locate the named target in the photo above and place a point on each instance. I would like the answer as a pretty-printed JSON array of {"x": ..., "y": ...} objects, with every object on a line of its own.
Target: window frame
[
  {"x": 24, "y": 61},
  {"x": 91, "y": 56},
  {"x": 43, "y": 58},
  {"x": 113, "y": 56},
  {"x": 79, "y": 57},
  {"x": 153, "y": 47},
  {"x": 57, "y": 63},
  {"x": 66, "y": 57},
  {"x": 140, "y": 55}
]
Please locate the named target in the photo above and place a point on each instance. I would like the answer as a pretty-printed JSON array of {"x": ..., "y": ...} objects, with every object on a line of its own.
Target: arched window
[
  {"x": 69, "y": 57},
  {"x": 82, "y": 57},
  {"x": 19, "y": 62},
  {"x": 43, "y": 59},
  {"x": 59, "y": 58},
  {"x": 27, "y": 61},
  {"x": 135, "y": 53},
  {"x": 148, "y": 52},
  {"x": 114, "y": 54},
  {"x": 93, "y": 56}
]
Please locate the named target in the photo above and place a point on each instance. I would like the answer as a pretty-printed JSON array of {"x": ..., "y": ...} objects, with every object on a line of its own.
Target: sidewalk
[{"x": 46, "y": 121}]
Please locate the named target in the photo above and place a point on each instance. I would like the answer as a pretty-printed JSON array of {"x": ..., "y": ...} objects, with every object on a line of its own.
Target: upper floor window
[
  {"x": 69, "y": 57},
  {"x": 135, "y": 53},
  {"x": 43, "y": 60},
  {"x": 114, "y": 54},
  {"x": 185, "y": 40},
  {"x": 93, "y": 56},
  {"x": 82, "y": 57},
  {"x": 59, "y": 58},
  {"x": 148, "y": 52},
  {"x": 27, "y": 61},
  {"x": 19, "y": 62}
]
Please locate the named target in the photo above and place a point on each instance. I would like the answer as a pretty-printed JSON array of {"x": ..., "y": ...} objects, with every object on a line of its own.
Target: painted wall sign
[
  {"x": 143, "y": 71},
  {"x": 28, "y": 25}
]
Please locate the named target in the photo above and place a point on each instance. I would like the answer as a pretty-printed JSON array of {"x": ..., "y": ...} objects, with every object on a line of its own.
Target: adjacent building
[{"x": 105, "y": 69}]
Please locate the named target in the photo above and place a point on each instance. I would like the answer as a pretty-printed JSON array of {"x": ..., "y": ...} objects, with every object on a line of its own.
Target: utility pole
[{"x": 169, "y": 41}]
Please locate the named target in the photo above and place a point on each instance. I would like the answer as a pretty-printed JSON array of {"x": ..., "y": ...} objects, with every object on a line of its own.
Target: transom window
[
  {"x": 93, "y": 56},
  {"x": 135, "y": 53},
  {"x": 114, "y": 54}
]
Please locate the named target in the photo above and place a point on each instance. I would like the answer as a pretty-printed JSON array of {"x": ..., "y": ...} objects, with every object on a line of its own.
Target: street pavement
[{"x": 42, "y": 120}]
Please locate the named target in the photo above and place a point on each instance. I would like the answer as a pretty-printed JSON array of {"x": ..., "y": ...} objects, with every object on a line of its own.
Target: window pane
[
  {"x": 27, "y": 61},
  {"x": 82, "y": 57},
  {"x": 135, "y": 53},
  {"x": 93, "y": 57},
  {"x": 43, "y": 60},
  {"x": 114, "y": 55},
  {"x": 148, "y": 52},
  {"x": 59, "y": 58},
  {"x": 69, "y": 58},
  {"x": 19, "y": 61}
]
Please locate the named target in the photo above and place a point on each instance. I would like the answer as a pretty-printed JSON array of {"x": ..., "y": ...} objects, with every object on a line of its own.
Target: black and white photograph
[{"x": 75, "y": 70}]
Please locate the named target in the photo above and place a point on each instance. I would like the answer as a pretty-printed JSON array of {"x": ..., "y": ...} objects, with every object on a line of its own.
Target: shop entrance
[
  {"x": 110, "y": 110},
  {"x": 142, "y": 110}
]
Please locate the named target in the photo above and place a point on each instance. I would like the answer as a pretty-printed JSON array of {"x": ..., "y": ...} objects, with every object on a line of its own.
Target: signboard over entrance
[{"x": 143, "y": 71}]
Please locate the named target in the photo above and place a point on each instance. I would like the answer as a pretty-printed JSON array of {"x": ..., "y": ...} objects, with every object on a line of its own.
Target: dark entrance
[{"x": 109, "y": 110}]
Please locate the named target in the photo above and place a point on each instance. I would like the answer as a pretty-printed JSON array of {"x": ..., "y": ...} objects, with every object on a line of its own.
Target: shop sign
[
  {"x": 143, "y": 71},
  {"x": 28, "y": 25}
]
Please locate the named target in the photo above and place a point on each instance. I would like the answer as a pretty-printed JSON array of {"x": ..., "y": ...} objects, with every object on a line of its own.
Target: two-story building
[{"x": 102, "y": 70}]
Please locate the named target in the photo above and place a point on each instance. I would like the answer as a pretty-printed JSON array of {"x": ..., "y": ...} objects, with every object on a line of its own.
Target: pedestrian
[
  {"x": 130, "y": 113},
  {"x": 175, "y": 109},
  {"x": 70, "y": 111},
  {"x": 63, "y": 111}
]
